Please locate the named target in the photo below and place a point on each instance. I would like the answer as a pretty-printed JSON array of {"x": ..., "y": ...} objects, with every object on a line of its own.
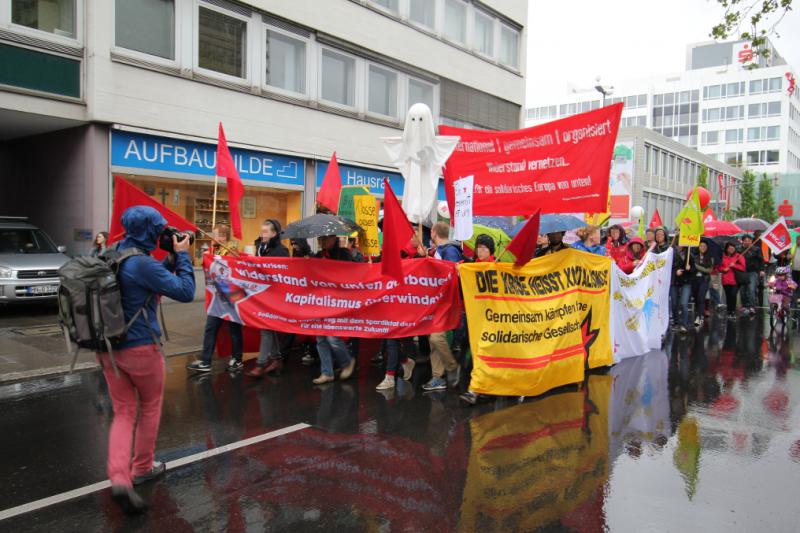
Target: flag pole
[{"x": 214, "y": 206}]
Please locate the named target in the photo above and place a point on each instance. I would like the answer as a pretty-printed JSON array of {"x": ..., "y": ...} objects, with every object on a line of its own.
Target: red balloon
[{"x": 702, "y": 194}]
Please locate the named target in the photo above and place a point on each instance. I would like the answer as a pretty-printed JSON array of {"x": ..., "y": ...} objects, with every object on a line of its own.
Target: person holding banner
[
  {"x": 634, "y": 253},
  {"x": 330, "y": 347},
  {"x": 484, "y": 249},
  {"x": 442, "y": 359},
  {"x": 269, "y": 356},
  {"x": 589, "y": 240},
  {"x": 661, "y": 240},
  {"x": 555, "y": 243},
  {"x": 732, "y": 262},
  {"x": 221, "y": 234},
  {"x": 615, "y": 244}
]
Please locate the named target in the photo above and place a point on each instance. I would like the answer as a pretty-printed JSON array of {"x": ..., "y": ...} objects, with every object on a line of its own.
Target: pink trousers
[{"x": 139, "y": 388}]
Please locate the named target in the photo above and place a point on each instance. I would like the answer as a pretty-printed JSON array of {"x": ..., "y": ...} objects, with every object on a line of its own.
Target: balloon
[
  {"x": 636, "y": 212},
  {"x": 702, "y": 194}
]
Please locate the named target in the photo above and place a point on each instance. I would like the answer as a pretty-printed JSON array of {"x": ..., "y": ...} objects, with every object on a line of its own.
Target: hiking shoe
[
  {"x": 454, "y": 376},
  {"x": 235, "y": 364},
  {"x": 386, "y": 384},
  {"x": 158, "y": 470},
  {"x": 408, "y": 368},
  {"x": 435, "y": 384},
  {"x": 128, "y": 499},
  {"x": 199, "y": 366}
]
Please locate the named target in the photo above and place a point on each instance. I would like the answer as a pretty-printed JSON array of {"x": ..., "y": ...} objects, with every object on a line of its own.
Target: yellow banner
[
  {"x": 533, "y": 328},
  {"x": 548, "y": 457},
  {"x": 685, "y": 239},
  {"x": 366, "y": 212}
]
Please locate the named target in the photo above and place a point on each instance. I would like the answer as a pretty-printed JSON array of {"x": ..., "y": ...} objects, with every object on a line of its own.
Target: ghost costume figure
[{"x": 420, "y": 155}]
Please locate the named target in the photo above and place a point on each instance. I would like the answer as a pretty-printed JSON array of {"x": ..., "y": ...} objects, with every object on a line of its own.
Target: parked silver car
[{"x": 29, "y": 262}]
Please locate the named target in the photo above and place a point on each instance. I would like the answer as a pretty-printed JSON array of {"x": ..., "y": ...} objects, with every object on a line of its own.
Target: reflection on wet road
[{"x": 703, "y": 435}]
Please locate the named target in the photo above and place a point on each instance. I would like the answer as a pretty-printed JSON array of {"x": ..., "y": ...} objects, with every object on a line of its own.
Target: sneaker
[
  {"x": 128, "y": 499},
  {"x": 322, "y": 379},
  {"x": 435, "y": 384},
  {"x": 408, "y": 368},
  {"x": 387, "y": 383},
  {"x": 470, "y": 397},
  {"x": 158, "y": 470},
  {"x": 347, "y": 371},
  {"x": 235, "y": 364},
  {"x": 454, "y": 376},
  {"x": 199, "y": 366},
  {"x": 698, "y": 323},
  {"x": 307, "y": 359}
]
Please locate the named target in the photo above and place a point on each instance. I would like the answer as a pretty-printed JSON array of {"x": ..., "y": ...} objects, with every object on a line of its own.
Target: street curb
[{"x": 27, "y": 375}]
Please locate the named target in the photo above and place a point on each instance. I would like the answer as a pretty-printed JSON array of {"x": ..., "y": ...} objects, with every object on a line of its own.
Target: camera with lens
[{"x": 165, "y": 239}]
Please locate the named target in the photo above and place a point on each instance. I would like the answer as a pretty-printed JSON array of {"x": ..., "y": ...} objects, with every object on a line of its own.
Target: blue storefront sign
[
  {"x": 373, "y": 179},
  {"x": 136, "y": 150}
]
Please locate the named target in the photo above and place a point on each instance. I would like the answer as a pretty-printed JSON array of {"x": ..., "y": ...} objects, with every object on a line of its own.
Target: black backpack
[{"x": 90, "y": 303}]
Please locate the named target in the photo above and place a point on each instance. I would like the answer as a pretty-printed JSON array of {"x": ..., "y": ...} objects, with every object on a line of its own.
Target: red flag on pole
[
  {"x": 523, "y": 245},
  {"x": 777, "y": 237},
  {"x": 709, "y": 216},
  {"x": 227, "y": 169},
  {"x": 655, "y": 221},
  {"x": 396, "y": 233},
  {"x": 331, "y": 188},
  {"x": 127, "y": 195}
]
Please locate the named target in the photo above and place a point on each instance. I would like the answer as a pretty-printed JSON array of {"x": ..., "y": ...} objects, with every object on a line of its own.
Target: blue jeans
[
  {"x": 684, "y": 293},
  {"x": 749, "y": 290},
  {"x": 700, "y": 288},
  {"x": 714, "y": 296},
  {"x": 210, "y": 338},
  {"x": 268, "y": 348},
  {"x": 330, "y": 348}
]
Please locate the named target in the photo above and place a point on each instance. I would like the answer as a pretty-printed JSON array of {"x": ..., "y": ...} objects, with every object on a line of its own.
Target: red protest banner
[
  {"x": 561, "y": 167},
  {"x": 338, "y": 298}
]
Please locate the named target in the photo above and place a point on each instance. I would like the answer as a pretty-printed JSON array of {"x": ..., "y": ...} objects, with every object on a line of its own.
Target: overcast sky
[{"x": 574, "y": 41}]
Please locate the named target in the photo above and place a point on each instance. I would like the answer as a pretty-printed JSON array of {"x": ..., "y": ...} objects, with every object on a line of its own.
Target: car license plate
[{"x": 40, "y": 290}]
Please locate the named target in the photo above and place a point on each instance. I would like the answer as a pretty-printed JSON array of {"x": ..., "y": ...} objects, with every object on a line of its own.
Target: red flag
[
  {"x": 127, "y": 195},
  {"x": 227, "y": 169},
  {"x": 777, "y": 237},
  {"x": 709, "y": 216},
  {"x": 331, "y": 188},
  {"x": 396, "y": 234},
  {"x": 655, "y": 221},
  {"x": 523, "y": 245}
]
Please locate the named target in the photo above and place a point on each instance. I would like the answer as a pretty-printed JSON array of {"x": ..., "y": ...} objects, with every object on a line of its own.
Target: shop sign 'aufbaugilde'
[
  {"x": 139, "y": 151},
  {"x": 370, "y": 178}
]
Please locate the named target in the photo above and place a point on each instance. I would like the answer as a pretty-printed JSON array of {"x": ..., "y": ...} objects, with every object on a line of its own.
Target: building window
[
  {"x": 422, "y": 12},
  {"x": 772, "y": 157},
  {"x": 52, "y": 16},
  {"x": 338, "y": 77},
  {"x": 484, "y": 34},
  {"x": 509, "y": 46},
  {"x": 753, "y": 134},
  {"x": 735, "y": 112},
  {"x": 146, "y": 26},
  {"x": 775, "y": 85},
  {"x": 773, "y": 133},
  {"x": 709, "y": 138},
  {"x": 774, "y": 108},
  {"x": 734, "y": 136},
  {"x": 286, "y": 62},
  {"x": 420, "y": 92},
  {"x": 391, "y": 5},
  {"x": 382, "y": 92},
  {"x": 732, "y": 89},
  {"x": 641, "y": 100},
  {"x": 455, "y": 21},
  {"x": 756, "y": 87},
  {"x": 222, "y": 43},
  {"x": 712, "y": 92}
]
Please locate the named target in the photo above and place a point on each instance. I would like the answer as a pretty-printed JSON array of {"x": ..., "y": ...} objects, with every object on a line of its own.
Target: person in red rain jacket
[
  {"x": 731, "y": 262},
  {"x": 616, "y": 244},
  {"x": 634, "y": 252}
]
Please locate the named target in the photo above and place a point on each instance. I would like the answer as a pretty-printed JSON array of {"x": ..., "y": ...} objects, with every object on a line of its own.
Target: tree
[
  {"x": 765, "y": 201},
  {"x": 702, "y": 177},
  {"x": 748, "y": 205},
  {"x": 762, "y": 17},
  {"x": 729, "y": 215}
]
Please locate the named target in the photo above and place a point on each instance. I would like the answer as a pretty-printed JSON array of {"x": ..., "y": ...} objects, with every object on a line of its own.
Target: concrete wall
[{"x": 60, "y": 181}]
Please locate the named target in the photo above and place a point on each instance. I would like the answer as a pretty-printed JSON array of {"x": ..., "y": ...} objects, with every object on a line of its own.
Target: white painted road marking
[{"x": 171, "y": 465}]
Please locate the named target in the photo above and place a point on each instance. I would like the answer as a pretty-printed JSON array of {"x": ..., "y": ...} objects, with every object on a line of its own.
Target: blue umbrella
[
  {"x": 501, "y": 223},
  {"x": 553, "y": 224}
]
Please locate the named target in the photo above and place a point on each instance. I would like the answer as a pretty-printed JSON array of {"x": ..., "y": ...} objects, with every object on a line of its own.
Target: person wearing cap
[{"x": 484, "y": 249}]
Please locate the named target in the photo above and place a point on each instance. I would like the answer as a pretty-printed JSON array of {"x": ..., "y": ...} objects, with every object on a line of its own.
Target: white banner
[
  {"x": 640, "y": 305},
  {"x": 462, "y": 217}
]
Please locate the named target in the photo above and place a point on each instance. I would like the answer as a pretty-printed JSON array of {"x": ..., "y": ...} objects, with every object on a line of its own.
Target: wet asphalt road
[{"x": 702, "y": 436}]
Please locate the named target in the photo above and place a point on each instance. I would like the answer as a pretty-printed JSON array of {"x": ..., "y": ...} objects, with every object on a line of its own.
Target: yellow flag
[
  {"x": 533, "y": 328},
  {"x": 366, "y": 216},
  {"x": 690, "y": 222}
]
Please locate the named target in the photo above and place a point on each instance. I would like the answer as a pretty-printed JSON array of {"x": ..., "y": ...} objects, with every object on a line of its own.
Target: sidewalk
[{"x": 33, "y": 351}]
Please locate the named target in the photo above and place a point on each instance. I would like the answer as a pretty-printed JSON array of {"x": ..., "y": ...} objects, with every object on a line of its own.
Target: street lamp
[{"x": 604, "y": 90}]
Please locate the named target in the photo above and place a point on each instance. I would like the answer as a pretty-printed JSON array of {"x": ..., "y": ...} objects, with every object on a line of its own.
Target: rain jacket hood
[{"x": 143, "y": 225}]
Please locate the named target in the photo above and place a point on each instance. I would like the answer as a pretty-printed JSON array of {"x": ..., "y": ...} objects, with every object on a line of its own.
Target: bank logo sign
[{"x": 139, "y": 151}]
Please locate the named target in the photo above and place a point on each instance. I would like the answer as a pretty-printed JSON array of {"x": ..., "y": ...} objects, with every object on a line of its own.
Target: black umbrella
[
  {"x": 714, "y": 249},
  {"x": 723, "y": 240},
  {"x": 751, "y": 224},
  {"x": 319, "y": 226}
]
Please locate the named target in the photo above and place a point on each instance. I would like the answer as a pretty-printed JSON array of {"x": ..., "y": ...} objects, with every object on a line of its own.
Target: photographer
[{"x": 138, "y": 358}]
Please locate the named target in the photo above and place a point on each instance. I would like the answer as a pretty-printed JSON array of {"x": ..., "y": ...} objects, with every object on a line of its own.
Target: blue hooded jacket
[{"x": 141, "y": 275}]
